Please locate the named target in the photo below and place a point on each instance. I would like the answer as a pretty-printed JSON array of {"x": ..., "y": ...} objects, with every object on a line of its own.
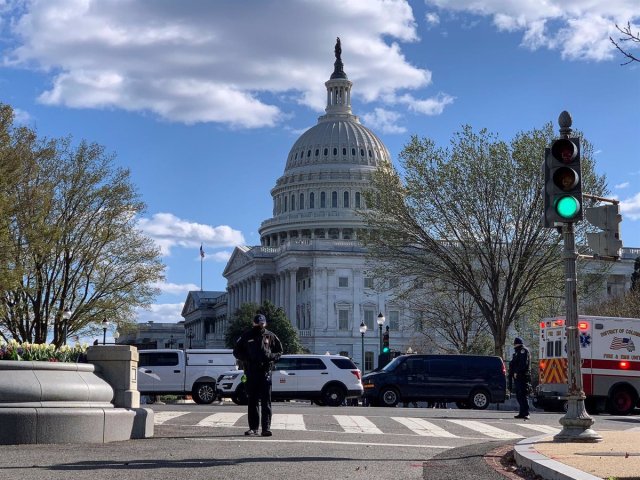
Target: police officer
[
  {"x": 520, "y": 376},
  {"x": 258, "y": 349}
]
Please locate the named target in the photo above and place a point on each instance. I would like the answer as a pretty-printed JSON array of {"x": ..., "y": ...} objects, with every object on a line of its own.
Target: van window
[
  {"x": 443, "y": 367},
  {"x": 158, "y": 359}
]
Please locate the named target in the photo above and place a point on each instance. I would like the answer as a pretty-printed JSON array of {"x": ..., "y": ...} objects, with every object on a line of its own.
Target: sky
[{"x": 202, "y": 100}]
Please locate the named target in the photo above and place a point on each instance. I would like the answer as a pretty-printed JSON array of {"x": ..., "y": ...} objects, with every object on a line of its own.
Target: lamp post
[
  {"x": 380, "y": 323},
  {"x": 190, "y": 335},
  {"x": 116, "y": 336},
  {"x": 363, "y": 330},
  {"x": 171, "y": 341},
  {"x": 105, "y": 325},
  {"x": 66, "y": 315}
]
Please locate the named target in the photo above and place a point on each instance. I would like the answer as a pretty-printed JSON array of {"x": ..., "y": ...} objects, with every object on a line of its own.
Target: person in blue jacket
[{"x": 520, "y": 376}]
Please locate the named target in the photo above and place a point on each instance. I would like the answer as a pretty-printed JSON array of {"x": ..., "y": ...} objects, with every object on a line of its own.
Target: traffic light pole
[{"x": 576, "y": 422}]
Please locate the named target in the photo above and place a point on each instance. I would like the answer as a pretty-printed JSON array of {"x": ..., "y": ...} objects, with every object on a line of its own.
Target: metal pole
[
  {"x": 380, "y": 349},
  {"x": 362, "y": 335},
  {"x": 104, "y": 336},
  {"x": 576, "y": 422}
]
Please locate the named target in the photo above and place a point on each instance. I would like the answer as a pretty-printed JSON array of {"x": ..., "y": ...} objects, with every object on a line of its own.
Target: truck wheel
[
  {"x": 333, "y": 395},
  {"x": 479, "y": 399},
  {"x": 389, "y": 397},
  {"x": 204, "y": 393},
  {"x": 240, "y": 397},
  {"x": 622, "y": 401}
]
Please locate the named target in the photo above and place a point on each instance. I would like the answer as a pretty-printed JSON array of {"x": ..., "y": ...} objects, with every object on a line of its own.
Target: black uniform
[
  {"x": 258, "y": 349},
  {"x": 520, "y": 377}
]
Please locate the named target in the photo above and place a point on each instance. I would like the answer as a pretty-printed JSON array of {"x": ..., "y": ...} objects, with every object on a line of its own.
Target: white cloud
[
  {"x": 194, "y": 61},
  {"x": 160, "y": 313},
  {"x": 21, "y": 117},
  {"x": 176, "y": 288},
  {"x": 432, "y": 19},
  {"x": 631, "y": 207},
  {"x": 621, "y": 185},
  {"x": 430, "y": 106},
  {"x": 579, "y": 29},
  {"x": 169, "y": 231},
  {"x": 384, "y": 121}
]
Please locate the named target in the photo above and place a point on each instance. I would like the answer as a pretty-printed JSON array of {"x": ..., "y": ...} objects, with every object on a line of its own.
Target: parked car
[
  {"x": 472, "y": 381},
  {"x": 183, "y": 372},
  {"x": 323, "y": 379}
]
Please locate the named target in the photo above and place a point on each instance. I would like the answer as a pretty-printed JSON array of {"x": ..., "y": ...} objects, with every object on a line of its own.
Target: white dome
[{"x": 328, "y": 169}]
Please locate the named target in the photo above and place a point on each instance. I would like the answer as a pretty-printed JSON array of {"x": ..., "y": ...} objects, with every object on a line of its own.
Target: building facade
[{"x": 310, "y": 261}]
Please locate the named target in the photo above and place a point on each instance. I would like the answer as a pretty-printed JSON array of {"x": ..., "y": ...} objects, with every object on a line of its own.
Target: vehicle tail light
[
  {"x": 504, "y": 369},
  {"x": 623, "y": 365},
  {"x": 357, "y": 374}
]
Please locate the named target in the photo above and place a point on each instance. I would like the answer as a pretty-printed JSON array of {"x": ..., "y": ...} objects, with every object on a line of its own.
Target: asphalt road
[{"x": 309, "y": 442}]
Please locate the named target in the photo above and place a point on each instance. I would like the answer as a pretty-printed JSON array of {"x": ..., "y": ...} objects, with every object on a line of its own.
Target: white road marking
[
  {"x": 280, "y": 421},
  {"x": 226, "y": 419},
  {"x": 539, "y": 428},
  {"x": 322, "y": 442},
  {"x": 357, "y": 424},
  {"x": 486, "y": 429},
  {"x": 160, "y": 417},
  {"x": 423, "y": 427}
]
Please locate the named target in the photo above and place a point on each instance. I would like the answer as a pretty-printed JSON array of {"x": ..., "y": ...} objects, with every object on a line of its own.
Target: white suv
[{"x": 323, "y": 379}]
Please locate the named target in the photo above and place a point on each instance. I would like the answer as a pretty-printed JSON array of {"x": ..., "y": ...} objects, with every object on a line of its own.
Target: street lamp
[
  {"x": 171, "y": 341},
  {"x": 190, "y": 335},
  {"x": 363, "y": 330},
  {"x": 105, "y": 325},
  {"x": 380, "y": 323},
  {"x": 116, "y": 336},
  {"x": 66, "y": 315}
]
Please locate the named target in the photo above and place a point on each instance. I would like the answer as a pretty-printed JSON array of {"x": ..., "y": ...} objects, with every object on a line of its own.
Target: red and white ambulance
[{"x": 610, "y": 354}]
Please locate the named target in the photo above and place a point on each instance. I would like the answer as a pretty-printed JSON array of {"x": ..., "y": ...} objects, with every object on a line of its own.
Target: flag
[
  {"x": 620, "y": 343},
  {"x": 201, "y": 252}
]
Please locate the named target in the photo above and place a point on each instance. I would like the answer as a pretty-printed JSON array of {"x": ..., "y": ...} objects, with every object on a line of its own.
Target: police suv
[{"x": 323, "y": 379}]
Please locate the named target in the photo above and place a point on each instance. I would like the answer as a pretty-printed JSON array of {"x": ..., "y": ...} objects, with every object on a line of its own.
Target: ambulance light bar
[{"x": 583, "y": 326}]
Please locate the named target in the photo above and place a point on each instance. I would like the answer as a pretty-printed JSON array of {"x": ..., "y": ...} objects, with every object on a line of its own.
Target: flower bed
[{"x": 42, "y": 352}]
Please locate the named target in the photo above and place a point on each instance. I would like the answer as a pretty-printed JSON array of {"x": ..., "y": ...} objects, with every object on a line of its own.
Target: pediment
[
  {"x": 190, "y": 305},
  {"x": 239, "y": 258}
]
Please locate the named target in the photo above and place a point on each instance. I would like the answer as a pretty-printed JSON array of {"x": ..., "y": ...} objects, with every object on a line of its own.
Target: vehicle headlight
[{"x": 231, "y": 376}]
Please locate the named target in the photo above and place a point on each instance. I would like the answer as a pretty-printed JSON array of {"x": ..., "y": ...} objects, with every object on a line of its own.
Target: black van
[{"x": 472, "y": 381}]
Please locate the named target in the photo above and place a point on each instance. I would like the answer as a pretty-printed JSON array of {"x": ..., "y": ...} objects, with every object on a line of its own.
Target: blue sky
[{"x": 203, "y": 100}]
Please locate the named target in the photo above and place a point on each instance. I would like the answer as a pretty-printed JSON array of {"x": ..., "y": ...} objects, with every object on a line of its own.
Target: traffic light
[
  {"x": 607, "y": 218},
  {"x": 385, "y": 341},
  {"x": 562, "y": 183}
]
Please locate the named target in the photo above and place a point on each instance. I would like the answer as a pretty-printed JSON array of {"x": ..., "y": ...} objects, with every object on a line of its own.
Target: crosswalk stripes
[
  {"x": 486, "y": 429},
  {"x": 281, "y": 421},
  {"x": 423, "y": 427},
  {"x": 161, "y": 417},
  {"x": 226, "y": 419},
  {"x": 540, "y": 428},
  {"x": 357, "y": 424}
]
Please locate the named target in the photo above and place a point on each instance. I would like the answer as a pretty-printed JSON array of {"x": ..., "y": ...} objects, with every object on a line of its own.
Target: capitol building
[{"x": 310, "y": 261}]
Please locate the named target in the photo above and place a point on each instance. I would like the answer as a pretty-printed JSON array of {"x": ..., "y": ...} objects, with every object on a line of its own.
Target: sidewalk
[{"x": 617, "y": 457}]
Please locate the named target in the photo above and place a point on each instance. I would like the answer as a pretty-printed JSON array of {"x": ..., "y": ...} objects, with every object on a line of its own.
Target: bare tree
[
  {"x": 469, "y": 216},
  {"x": 627, "y": 36}
]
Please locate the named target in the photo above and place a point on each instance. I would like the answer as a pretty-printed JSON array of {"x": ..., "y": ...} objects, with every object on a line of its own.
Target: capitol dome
[{"x": 328, "y": 169}]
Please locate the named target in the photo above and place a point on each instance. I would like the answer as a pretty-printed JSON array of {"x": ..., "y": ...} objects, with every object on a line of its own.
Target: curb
[{"x": 527, "y": 456}]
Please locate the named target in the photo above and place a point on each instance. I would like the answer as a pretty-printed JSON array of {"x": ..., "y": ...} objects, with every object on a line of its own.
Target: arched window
[
  {"x": 285, "y": 204},
  {"x": 323, "y": 200},
  {"x": 357, "y": 199},
  {"x": 345, "y": 199},
  {"x": 326, "y": 152},
  {"x": 335, "y": 151},
  {"x": 334, "y": 199},
  {"x": 293, "y": 202},
  {"x": 317, "y": 152},
  {"x": 344, "y": 150},
  {"x": 312, "y": 200},
  {"x": 308, "y": 153},
  {"x": 362, "y": 152},
  {"x": 353, "y": 152},
  {"x": 301, "y": 204}
]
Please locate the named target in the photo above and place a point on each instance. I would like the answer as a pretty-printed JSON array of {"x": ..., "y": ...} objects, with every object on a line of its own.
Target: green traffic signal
[
  {"x": 385, "y": 350},
  {"x": 567, "y": 207}
]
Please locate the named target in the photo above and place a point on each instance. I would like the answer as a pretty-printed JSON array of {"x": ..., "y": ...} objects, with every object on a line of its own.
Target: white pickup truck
[{"x": 183, "y": 372}]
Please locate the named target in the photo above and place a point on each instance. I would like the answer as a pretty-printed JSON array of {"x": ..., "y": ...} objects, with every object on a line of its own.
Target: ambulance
[{"x": 610, "y": 364}]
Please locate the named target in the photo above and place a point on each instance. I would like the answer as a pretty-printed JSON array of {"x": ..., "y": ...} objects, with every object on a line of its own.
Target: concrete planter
[{"x": 50, "y": 402}]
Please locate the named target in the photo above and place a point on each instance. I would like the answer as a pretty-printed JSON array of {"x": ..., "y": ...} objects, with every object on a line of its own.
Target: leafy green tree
[
  {"x": 277, "y": 322},
  {"x": 72, "y": 244},
  {"x": 469, "y": 217}
]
